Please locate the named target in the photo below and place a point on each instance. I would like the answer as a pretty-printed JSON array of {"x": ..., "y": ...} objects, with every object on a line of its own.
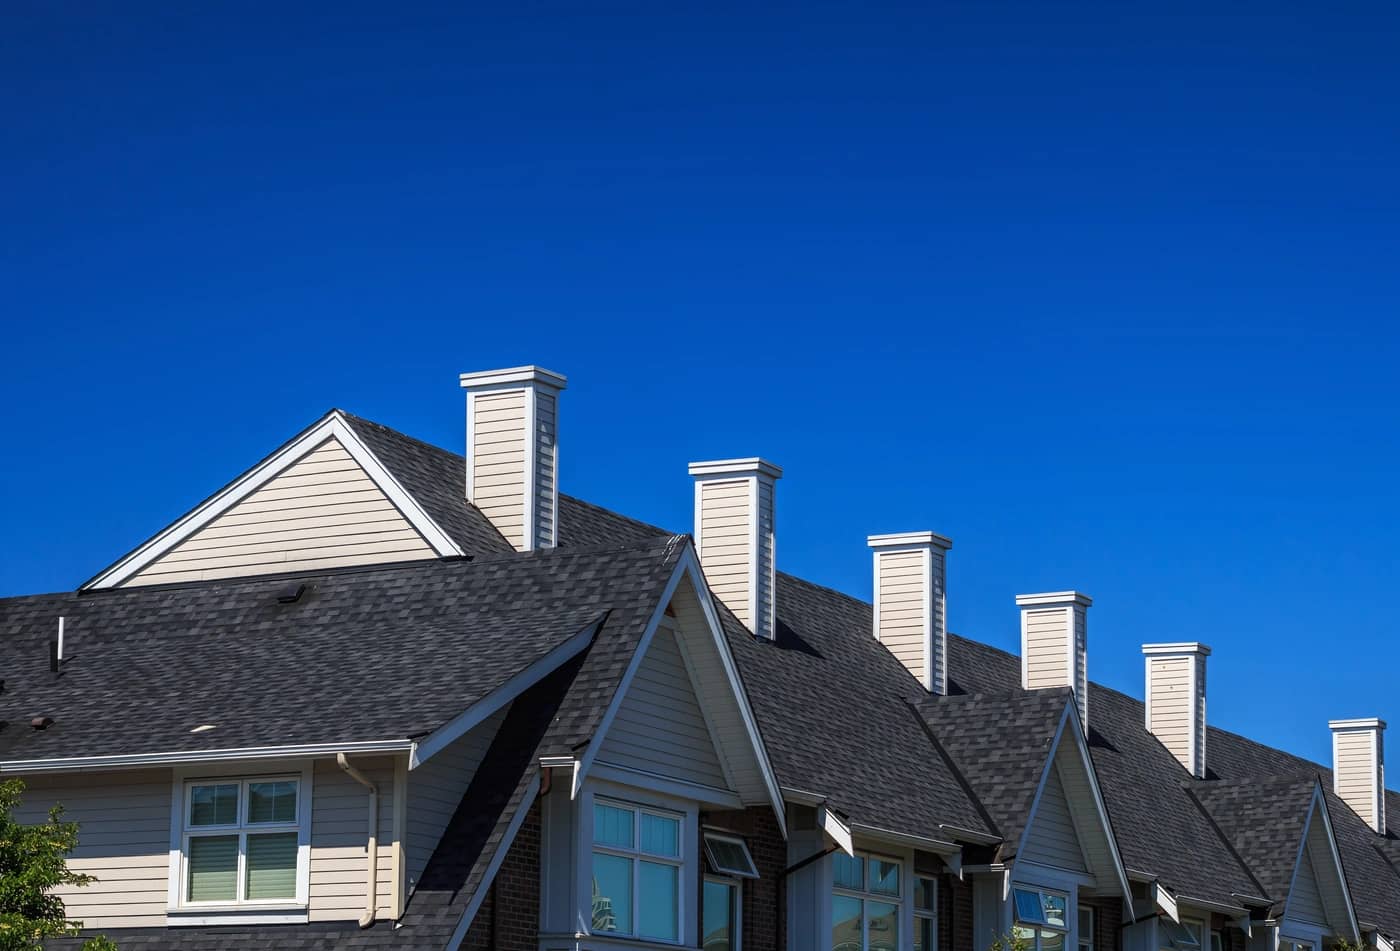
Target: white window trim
[
  {"x": 687, "y": 811},
  {"x": 280, "y": 911},
  {"x": 1066, "y": 887},
  {"x": 707, "y": 834},
  {"x": 924, "y": 914},
  {"x": 1080, "y": 939},
  {"x": 903, "y": 900},
  {"x": 736, "y": 938}
]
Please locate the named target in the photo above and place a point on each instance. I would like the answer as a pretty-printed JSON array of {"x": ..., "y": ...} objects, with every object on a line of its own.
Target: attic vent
[
  {"x": 41, "y": 723},
  {"x": 291, "y": 594}
]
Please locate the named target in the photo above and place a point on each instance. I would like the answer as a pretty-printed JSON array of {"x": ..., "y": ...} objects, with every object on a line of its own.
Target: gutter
[
  {"x": 176, "y": 757},
  {"x": 372, "y": 846}
]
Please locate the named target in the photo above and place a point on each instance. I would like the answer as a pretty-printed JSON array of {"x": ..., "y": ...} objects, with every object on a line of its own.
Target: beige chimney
[
  {"x": 911, "y": 603},
  {"x": 1358, "y": 767},
  {"x": 513, "y": 452},
  {"x": 734, "y": 508},
  {"x": 1055, "y": 644},
  {"x": 1176, "y": 701}
]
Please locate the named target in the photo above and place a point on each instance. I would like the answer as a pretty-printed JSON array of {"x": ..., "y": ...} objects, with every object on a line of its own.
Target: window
[
  {"x": 637, "y": 859},
  {"x": 1180, "y": 936},
  {"x": 1041, "y": 918},
  {"x": 864, "y": 903},
  {"x": 241, "y": 841},
  {"x": 925, "y": 913},
  {"x": 729, "y": 855},
  {"x": 719, "y": 924},
  {"x": 1217, "y": 941},
  {"x": 1086, "y": 928}
]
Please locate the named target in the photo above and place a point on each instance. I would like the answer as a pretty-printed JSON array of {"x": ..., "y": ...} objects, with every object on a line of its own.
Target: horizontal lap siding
[
  {"x": 498, "y": 460},
  {"x": 726, "y": 540},
  {"x": 1355, "y": 775},
  {"x": 1305, "y": 898},
  {"x": 1051, "y": 838},
  {"x": 1169, "y": 681},
  {"x": 123, "y": 842},
  {"x": 435, "y": 789},
  {"x": 659, "y": 728},
  {"x": 546, "y": 468},
  {"x": 1046, "y": 647},
  {"x": 324, "y": 511},
  {"x": 903, "y": 622},
  {"x": 763, "y": 624},
  {"x": 339, "y": 834}
]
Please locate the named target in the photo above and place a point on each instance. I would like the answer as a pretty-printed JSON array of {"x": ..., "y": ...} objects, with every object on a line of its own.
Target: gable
[
  {"x": 660, "y": 727},
  {"x": 322, "y": 511},
  {"x": 1318, "y": 894},
  {"x": 1305, "y": 898},
  {"x": 1051, "y": 837}
]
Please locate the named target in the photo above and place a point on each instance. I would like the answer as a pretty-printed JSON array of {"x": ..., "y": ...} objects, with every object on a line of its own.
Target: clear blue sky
[{"x": 1106, "y": 292}]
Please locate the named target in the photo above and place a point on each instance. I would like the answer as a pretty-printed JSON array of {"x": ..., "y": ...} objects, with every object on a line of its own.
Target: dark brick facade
[
  {"x": 764, "y": 924},
  {"x": 509, "y": 918},
  {"x": 1108, "y": 923},
  {"x": 954, "y": 914}
]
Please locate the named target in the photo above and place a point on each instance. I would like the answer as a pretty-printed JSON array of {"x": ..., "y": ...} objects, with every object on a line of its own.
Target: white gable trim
[
  {"x": 333, "y": 425},
  {"x": 1070, "y": 726},
  {"x": 1319, "y": 807},
  {"x": 688, "y": 567},
  {"x": 487, "y": 706}
]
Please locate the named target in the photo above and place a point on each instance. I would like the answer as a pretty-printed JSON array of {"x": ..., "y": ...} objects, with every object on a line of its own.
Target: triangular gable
[
  {"x": 1068, "y": 821},
  {"x": 1318, "y": 893},
  {"x": 321, "y": 501}
]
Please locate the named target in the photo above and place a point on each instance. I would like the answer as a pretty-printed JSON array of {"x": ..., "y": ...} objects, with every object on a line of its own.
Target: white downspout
[{"x": 371, "y": 901}]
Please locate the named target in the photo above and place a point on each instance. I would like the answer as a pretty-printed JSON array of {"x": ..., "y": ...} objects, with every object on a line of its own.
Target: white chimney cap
[
  {"x": 527, "y": 374},
  {"x": 1181, "y": 647},
  {"x": 902, "y": 539},
  {"x": 1365, "y": 723},
  {"x": 1053, "y": 598},
  {"x": 750, "y": 466}
]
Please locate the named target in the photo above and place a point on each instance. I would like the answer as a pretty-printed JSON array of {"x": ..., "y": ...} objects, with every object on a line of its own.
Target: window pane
[
  {"x": 884, "y": 877},
  {"x": 729, "y": 856},
  {"x": 925, "y": 892},
  {"x": 1052, "y": 940},
  {"x": 1028, "y": 906},
  {"x": 845, "y": 923},
  {"x": 272, "y": 802},
  {"x": 1086, "y": 921},
  {"x": 661, "y": 835},
  {"x": 214, "y": 805},
  {"x": 1027, "y": 935},
  {"x": 612, "y": 826},
  {"x": 717, "y": 925},
  {"x": 213, "y": 862},
  {"x": 884, "y": 926},
  {"x": 272, "y": 866},
  {"x": 924, "y": 938},
  {"x": 848, "y": 871},
  {"x": 612, "y": 893},
  {"x": 1055, "y": 906},
  {"x": 658, "y": 901}
]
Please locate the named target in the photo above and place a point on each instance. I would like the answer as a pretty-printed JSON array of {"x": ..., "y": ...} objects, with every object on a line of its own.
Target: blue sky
[{"x": 1105, "y": 292}]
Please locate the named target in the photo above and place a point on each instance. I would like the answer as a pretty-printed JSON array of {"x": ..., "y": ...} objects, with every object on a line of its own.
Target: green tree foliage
[{"x": 33, "y": 861}]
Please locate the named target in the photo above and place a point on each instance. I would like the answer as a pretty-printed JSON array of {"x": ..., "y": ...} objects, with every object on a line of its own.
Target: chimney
[
  {"x": 734, "y": 535},
  {"x": 1358, "y": 768},
  {"x": 911, "y": 603},
  {"x": 513, "y": 452},
  {"x": 1176, "y": 701},
  {"x": 1055, "y": 644}
]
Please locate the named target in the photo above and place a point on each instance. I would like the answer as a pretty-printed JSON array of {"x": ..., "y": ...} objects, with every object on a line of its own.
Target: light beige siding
[
  {"x": 1355, "y": 773},
  {"x": 1170, "y": 713},
  {"x": 498, "y": 460},
  {"x": 1051, "y": 838},
  {"x": 902, "y": 600},
  {"x": 339, "y": 831},
  {"x": 123, "y": 841},
  {"x": 726, "y": 534},
  {"x": 323, "y": 511},
  {"x": 766, "y": 554},
  {"x": 435, "y": 789},
  {"x": 1305, "y": 898},
  {"x": 1046, "y": 647},
  {"x": 659, "y": 727}
]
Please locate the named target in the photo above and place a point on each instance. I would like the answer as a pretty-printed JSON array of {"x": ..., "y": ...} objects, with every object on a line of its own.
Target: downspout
[{"x": 372, "y": 847}]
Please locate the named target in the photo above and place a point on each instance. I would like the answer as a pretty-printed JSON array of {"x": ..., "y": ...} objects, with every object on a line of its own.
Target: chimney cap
[
  {"x": 909, "y": 539},
  {"x": 1051, "y": 598},
  {"x": 751, "y": 465},
  {"x": 1178, "y": 647},
  {"x": 1363, "y": 723},
  {"x": 525, "y": 374}
]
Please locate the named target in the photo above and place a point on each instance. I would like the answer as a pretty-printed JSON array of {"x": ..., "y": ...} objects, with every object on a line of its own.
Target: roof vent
[
  {"x": 1358, "y": 767},
  {"x": 291, "y": 594},
  {"x": 1176, "y": 701},
  {"x": 41, "y": 723},
  {"x": 911, "y": 605}
]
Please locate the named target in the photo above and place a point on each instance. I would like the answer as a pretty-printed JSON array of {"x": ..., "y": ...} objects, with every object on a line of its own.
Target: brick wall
[
  {"x": 1108, "y": 922},
  {"x": 509, "y": 917},
  {"x": 954, "y": 914},
  {"x": 764, "y": 923}
]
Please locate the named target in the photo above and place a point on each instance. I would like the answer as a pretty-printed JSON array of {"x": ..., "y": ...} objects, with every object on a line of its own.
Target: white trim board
[
  {"x": 333, "y": 425},
  {"x": 176, "y": 757},
  {"x": 464, "y": 924}
]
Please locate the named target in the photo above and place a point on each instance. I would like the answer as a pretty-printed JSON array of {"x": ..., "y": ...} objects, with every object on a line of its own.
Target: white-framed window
[
  {"x": 1086, "y": 928},
  {"x": 866, "y": 894},
  {"x": 721, "y": 914},
  {"x": 1185, "y": 935},
  {"x": 729, "y": 855},
  {"x": 242, "y": 841},
  {"x": 1042, "y": 917},
  {"x": 638, "y": 857},
  {"x": 1217, "y": 941},
  {"x": 1291, "y": 944},
  {"x": 925, "y": 913}
]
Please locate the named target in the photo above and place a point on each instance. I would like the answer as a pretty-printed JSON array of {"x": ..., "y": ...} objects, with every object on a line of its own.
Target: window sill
[
  {"x": 589, "y": 941},
  {"x": 204, "y": 916}
]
